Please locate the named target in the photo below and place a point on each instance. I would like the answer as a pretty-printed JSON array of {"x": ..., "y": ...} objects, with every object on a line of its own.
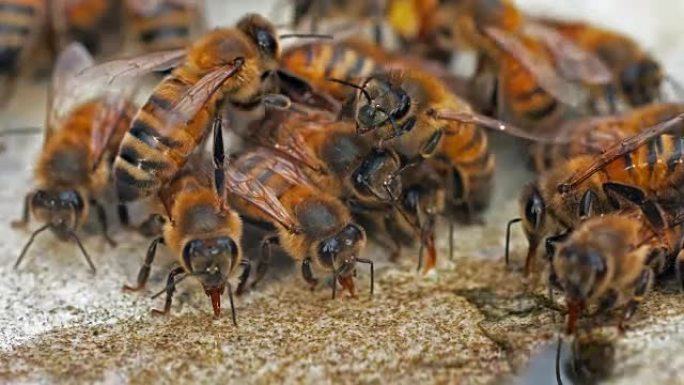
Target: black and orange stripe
[
  {"x": 169, "y": 27},
  {"x": 19, "y": 20}
]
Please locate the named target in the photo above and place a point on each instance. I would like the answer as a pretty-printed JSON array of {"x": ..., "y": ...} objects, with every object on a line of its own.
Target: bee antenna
[
  {"x": 559, "y": 377},
  {"x": 352, "y": 85},
  {"x": 83, "y": 251},
  {"x": 28, "y": 244},
  {"x": 306, "y": 36},
  {"x": 372, "y": 273},
  {"x": 172, "y": 284},
  {"x": 508, "y": 237}
]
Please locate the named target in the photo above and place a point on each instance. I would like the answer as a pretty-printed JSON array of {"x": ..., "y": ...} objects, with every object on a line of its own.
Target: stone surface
[{"x": 470, "y": 322}]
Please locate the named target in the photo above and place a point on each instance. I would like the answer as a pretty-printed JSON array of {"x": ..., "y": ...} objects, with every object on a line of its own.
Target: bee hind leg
[
  {"x": 308, "y": 274},
  {"x": 265, "y": 258}
]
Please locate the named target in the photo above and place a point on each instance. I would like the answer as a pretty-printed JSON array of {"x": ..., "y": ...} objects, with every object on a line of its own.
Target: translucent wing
[
  {"x": 539, "y": 67},
  {"x": 197, "y": 96},
  {"x": 114, "y": 71},
  {"x": 254, "y": 192},
  {"x": 572, "y": 61},
  {"x": 284, "y": 167},
  {"x": 114, "y": 108},
  {"x": 63, "y": 89},
  {"x": 628, "y": 145}
]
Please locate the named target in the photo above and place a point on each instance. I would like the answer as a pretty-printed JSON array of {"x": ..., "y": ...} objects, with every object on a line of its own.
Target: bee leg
[
  {"x": 265, "y": 258},
  {"x": 550, "y": 244},
  {"x": 246, "y": 269},
  {"x": 308, "y": 273},
  {"x": 170, "y": 290},
  {"x": 635, "y": 195},
  {"x": 122, "y": 212},
  {"x": 609, "y": 93},
  {"x": 607, "y": 301},
  {"x": 144, "y": 272},
  {"x": 102, "y": 218},
  {"x": 586, "y": 207},
  {"x": 21, "y": 223},
  {"x": 153, "y": 226},
  {"x": 642, "y": 285}
]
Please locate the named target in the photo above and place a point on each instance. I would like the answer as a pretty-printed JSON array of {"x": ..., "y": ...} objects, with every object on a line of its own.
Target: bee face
[
  {"x": 262, "y": 33},
  {"x": 580, "y": 268},
  {"x": 339, "y": 252},
  {"x": 210, "y": 259},
  {"x": 376, "y": 176},
  {"x": 60, "y": 208},
  {"x": 641, "y": 81}
]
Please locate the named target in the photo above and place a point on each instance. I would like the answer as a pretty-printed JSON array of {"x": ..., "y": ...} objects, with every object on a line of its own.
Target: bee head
[
  {"x": 641, "y": 81},
  {"x": 210, "y": 259},
  {"x": 340, "y": 251},
  {"x": 62, "y": 209},
  {"x": 377, "y": 177},
  {"x": 580, "y": 269},
  {"x": 263, "y": 34}
]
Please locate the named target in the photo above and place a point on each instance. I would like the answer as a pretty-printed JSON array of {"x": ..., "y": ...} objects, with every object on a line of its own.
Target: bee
[
  {"x": 611, "y": 261},
  {"x": 334, "y": 157},
  {"x": 640, "y": 170},
  {"x": 310, "y": 225},
  {"x": 334, "y": 12},
  {"x": 593, "y": 135},
  {"x": 73, "y": 167},
  {"x": 230, "y": 65},
  {"x": 637, "y": 74},
  {"x": 416, "y": 115},
  {"x": 21, "y": 22},
  {"x": 164, "y": 24},
  {"x": 202, "y": 231}
]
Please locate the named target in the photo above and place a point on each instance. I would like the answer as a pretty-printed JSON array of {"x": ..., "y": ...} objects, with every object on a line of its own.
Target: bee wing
[
  {"x": 197, "y": 96},
  {"x": 567, "y": 92},
  {"x": 573, "y": 62},
  {"x": 114, "y": 71},
  {"x": 619, "y": 149},
  {"x": 63, "y": 89},
  {"x": 285, "y": 167},
  {"x": 143, "y": 7},
  {"x": 114, "y": 107},
  {"x": 254, "y": 192}
]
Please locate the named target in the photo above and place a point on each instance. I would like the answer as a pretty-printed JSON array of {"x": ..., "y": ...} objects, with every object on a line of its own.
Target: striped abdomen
[
  {"x": 318, "y": 61},
  {"x": 466, "y": 148},
  {"x": 19, "y": 20},
  {"x": 153, "y": 150},
  {"x": 170, "y": 27}
]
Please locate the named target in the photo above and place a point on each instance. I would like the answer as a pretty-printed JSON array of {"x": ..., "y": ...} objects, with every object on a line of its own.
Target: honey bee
[
  {"x": 230, "y": 65},
  {"x": 164, "y": 24},
  {"x": 21, "y": 22},
  {"x": 312, "y": 226},
  {"x": 593, "y": 135},
  {"x": 611, "y": 261},
  {"x": 73, "y": 167},
  {"x": 638, "y": 75},
  {"x": 640, "y": 170},
  {"x": 202, "y": 231}
]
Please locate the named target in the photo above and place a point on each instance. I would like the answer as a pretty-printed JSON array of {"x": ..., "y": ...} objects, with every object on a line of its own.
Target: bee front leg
[
  {"x": 102, "y": 219},
  {"x": 265, "y": 257},
  {"x": 21, "y": 223},
  {"x": 122, "y": 212},
  {"x": 308, "y": 273},
  {"x": 642, "y": 284},
  {"x": 144, "y": 272},
  {"x": 246, "y": 269},
  {"x": 170, "y": 290}
]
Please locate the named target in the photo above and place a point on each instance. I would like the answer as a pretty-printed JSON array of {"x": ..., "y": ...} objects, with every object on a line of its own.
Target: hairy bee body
[
  {"x": 319, "y": 61},
  {"x": 156, "y": 146},
  {"x": 594, "y": 135}
]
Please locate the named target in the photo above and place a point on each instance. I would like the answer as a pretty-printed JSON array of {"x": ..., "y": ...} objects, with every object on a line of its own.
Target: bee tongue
[
  {"x": 347, "y": 282},
  {"x": 215, "y": 295}
]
